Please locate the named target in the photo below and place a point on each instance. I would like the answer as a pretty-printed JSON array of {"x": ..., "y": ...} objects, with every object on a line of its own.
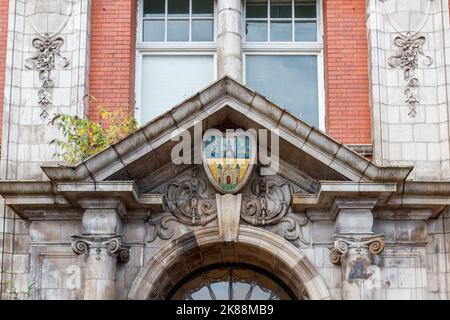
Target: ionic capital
[
  {"x": 111, "y": 244},
  {"x": 364, "y": 244}
]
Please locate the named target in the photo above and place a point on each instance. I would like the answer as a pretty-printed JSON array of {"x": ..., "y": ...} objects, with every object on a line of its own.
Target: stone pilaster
[
  {"x": 101, "y": 243},
  {"x": 354, "y": 245},
  {"x": 354, "y": 254},
  {"x": 409, "y": 60},
  {"x": 47, "y": 68},
  {"x": 229, "y": 39}
]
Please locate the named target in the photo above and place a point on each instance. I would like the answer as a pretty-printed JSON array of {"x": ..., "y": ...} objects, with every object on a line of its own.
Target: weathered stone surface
[{"x": 411, "y": 216}]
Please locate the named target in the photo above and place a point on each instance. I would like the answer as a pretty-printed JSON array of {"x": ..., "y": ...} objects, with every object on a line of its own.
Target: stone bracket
[{"x": 229, "y": 215}]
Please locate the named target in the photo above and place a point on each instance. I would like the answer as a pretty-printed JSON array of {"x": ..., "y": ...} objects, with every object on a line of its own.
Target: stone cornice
[
  {"x": 329, "y": 190},
  {"x": 31, "y": 198},
  {"x": 411, "y": 199}
]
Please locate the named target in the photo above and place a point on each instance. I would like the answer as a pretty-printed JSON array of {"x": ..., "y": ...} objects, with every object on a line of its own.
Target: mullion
[
  {"x": 293, "y": 20},
  {"x": 166, "y": 16},
  {"x": 190, "y": 21},
  {"x": 268, "y": 21}
]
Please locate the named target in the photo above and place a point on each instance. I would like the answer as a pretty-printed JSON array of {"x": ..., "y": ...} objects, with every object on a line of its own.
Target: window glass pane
[
  {"x": 203, "y": 7},
  {"x": 221, "y": 290},
  {"x": 153, "y": 30},
  {"x": 178, "y": 7},
  {"x": 290, "y": 81},
  {"x": 154, "y": 8},
  {"x": 280, "y": 31},
  {"x": 256, "y": 9},
  {"x": 178, "y": 30},
  {"x": 202, "y": 30},
  {"x": 305, "y": 10},
  {"x": 168, "y": 80},
  {"x": 280, "y": 9},
  {"x": 256, "y": 31},
  {"x": 306, "y": 31}
]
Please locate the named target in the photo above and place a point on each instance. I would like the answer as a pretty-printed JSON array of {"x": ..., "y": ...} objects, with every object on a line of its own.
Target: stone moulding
[{"x": 45, "y": 61}]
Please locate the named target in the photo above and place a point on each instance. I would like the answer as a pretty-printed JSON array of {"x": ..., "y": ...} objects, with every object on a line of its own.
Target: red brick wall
[
  {"x": 112, "y": 65},
  {"x": 346, "y": 71},
  {"x": 3, "y": 42},
  {"x": 346, "y": 64}
]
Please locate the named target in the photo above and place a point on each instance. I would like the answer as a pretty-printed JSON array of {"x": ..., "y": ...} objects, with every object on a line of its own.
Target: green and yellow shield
[{"x": 228, "y": 159}]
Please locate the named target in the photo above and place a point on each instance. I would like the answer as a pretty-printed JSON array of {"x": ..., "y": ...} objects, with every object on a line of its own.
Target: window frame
[
  {"x": 180, "y": 48},
  {"x": 291, "y": 48},
  {"x": 167, "y": 53},
  {"x": 292, "y": 19},
  {"x": 140, "y": 29}
]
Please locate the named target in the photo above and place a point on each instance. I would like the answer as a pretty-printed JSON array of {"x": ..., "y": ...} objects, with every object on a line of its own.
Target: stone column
[
  {"x": 354, "y": 243},
  {"x": 101, "y": 243},
  {"x": 229, "y": 39}
]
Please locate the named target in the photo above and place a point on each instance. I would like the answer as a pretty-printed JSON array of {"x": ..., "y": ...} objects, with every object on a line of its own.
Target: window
[
  {"x": 176, "y": 53},
  {"x": 178, "y": 20},
  {"x": 231, "y": 282},
  {"x": 283, "y": 53},
  {"x": 291, "y": 82},
  {"x": 281, "y": 21},
  {"x": 170, "y": 79}
]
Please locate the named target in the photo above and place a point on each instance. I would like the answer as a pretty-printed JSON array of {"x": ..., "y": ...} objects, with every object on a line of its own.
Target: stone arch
[{"x": 203, "y": 247}]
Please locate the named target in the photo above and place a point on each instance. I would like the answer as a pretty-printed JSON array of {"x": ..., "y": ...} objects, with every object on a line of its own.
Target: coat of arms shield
[{"x": 228, "y": 159}]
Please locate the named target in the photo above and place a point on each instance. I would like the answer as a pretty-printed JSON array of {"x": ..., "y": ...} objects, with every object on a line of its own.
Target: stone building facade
[{"x": 354, "y": 93}]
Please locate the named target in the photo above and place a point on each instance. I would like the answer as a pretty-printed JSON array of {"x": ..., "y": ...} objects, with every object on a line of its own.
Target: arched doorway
[{"x": 184, "y": 257}]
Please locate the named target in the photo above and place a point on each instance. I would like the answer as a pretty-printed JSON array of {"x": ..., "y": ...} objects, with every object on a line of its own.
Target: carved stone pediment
[{"x": 226, "y": 104}]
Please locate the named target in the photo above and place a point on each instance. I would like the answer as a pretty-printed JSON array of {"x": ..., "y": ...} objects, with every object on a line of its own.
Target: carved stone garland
[
  {"x": 188, "y": 202},
  {"x": 407, "y": 58},
  {"x": 45, "y": 62}
]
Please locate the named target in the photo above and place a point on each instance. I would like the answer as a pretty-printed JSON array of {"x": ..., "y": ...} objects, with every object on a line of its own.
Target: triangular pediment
[{"x": 145, "y": 156}]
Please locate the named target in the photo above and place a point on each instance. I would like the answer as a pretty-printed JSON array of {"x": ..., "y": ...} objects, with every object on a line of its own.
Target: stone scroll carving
[
  {"x": 373, "y": 243},
  {"x": 265, "y": 203},
  {"x": 407, "y": 58},
  {"x": 268, "y": 203},
  {"x": 189, "y": 200},
  {"x": 112, "y": 244},
  {"x": 188, "y": 203}
]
